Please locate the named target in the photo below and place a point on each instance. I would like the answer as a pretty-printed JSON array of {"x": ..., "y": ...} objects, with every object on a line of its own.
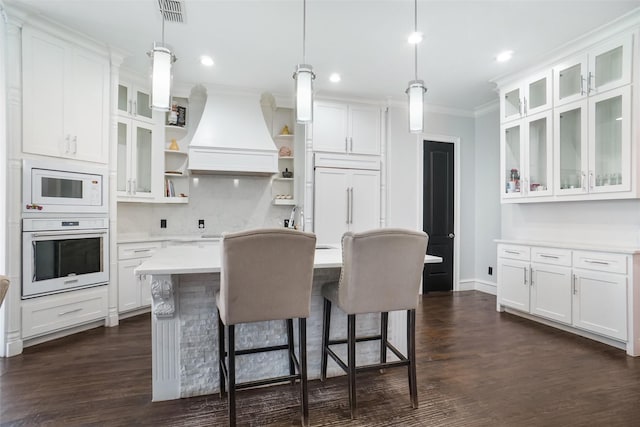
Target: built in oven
[{"x": 62, "y": 254}]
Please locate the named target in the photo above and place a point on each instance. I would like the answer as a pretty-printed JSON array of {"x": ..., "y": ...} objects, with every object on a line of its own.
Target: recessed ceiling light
[
  {"x": 334, "y": 78},
  {"x": 206, "y": 61},
  {"x": 415, "y": 37},
  {"x": 504, "y": 56}
]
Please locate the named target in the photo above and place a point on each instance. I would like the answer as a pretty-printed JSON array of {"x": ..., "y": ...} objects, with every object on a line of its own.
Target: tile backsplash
[{"x": 225, "y": 203}]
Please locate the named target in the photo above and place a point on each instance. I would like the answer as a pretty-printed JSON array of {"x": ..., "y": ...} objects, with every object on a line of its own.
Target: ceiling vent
[{"x": 172, "y": 10}]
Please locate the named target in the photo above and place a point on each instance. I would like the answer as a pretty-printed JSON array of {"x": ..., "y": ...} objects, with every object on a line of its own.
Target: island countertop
[{"x": 206, "y": 259}]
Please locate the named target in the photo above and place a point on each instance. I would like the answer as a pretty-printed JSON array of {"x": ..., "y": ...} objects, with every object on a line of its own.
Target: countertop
[
  {"x": 140, "y": 237},
  {"x": 194, "y": 259},
  {"x": 572, "y": 245}
]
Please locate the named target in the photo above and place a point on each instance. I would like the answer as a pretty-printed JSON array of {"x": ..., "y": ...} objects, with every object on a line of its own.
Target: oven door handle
[{"x": 85, "y": 233}]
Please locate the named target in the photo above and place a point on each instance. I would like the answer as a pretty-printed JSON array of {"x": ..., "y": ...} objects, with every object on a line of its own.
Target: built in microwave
[{"x": 63, "y": 188}]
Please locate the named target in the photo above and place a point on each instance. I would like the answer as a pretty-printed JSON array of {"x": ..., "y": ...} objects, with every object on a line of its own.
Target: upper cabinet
[
  {"x": 604, "y": 67},
  {"x": 526, "y": 97},
  {"x": 65, "y": 98},
  {"x": 347, "y": 128},
  {"x": 574, "y": 142},
  {"x": 134, "y": 102}
]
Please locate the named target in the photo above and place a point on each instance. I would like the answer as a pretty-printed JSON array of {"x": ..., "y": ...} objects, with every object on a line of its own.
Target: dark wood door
[{"x": 438, "y": 216}]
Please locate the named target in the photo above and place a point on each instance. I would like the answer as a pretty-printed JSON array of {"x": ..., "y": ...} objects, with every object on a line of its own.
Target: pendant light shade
[
  {"x": 304, "y": 93},
  {"x": 416, "y": 91},
  {"x": 161, "y": 60},
  {"x": 304, "y": 79}
]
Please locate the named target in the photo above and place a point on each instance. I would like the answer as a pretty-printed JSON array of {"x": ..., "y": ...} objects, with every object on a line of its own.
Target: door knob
[{"x": 451, "y": 235}]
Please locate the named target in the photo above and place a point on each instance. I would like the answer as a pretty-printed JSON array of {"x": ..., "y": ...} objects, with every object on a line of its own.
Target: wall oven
[
  {"x": 63, "y": 188},
  {"x": 62, "y": 254}
]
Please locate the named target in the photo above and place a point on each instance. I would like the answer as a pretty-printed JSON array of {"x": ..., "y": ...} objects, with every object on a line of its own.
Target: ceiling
[{"x": 256, "y": 44}]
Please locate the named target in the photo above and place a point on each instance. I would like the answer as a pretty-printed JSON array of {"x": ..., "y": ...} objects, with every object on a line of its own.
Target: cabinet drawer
[
  {"x": 600, "y": 261},
  {"x": 551, "y": 256},
  {"x": 52, "y": 313},
  {"x": 514, "y": 252},
  {"x": 138, "y": 250}
]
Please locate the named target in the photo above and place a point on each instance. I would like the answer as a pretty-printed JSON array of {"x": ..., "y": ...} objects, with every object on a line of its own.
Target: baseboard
[{"x": 477, "y": 285}]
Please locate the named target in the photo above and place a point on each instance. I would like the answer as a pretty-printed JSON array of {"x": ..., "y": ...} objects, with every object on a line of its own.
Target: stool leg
[
  {"x": 411, "y": 355},
  {"x": 292, "y": 366},
  {"x": 304, "y": 392},
  {"x": 384, "y": 326},
  {"x": 232, "y": 375},
  {"x": 221, "y": 356},
  {"x": 351, "y": 356},
  {"x": 326, "y": 324}
]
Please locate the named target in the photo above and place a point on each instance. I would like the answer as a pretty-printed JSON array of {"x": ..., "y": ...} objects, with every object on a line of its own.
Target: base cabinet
[
  {"x": 600, "y": 301},
  {"x": 586, "y": 290},
  {"x": 134, "y": 291}
]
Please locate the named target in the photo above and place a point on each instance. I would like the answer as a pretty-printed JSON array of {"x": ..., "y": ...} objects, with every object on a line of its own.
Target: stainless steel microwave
[{"x": 63, "y": 188}]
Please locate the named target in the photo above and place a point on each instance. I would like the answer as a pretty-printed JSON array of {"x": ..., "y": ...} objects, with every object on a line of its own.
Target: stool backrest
[
  {"x": 266, "y": 274},
  {"x": 4, "y": 285},
  {"x": 381, "y": 270}
]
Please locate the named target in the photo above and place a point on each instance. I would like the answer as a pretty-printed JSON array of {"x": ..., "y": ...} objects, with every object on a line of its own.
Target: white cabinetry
[
  {"x": 52, "y": 313},
  {"x": 134, "y": 102},
  {"x": 527, "y": 157},
  {"x": 134, "y": 292},
  {"x": 347, "y": 128},
  {"x": 527, "y": 97},
  {"x": 347, "y": 198},
  {"x": 587, "y": 292},
  {"x": 600, "y": 293},
  {"x": 136, "y": 168},
  {"x": 65, "y": 98},
  {"x": 605, "y": 66}
]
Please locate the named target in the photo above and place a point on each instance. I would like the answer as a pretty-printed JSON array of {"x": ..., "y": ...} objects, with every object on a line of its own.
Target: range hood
[{"x": 232, "y": 137}]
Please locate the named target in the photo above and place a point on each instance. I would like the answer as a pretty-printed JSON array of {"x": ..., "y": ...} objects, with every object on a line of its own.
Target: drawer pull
[
  {"x": 512, "y": 252},
  {"x": 573, "y": 285},
  {"x": 141, "y": 250},
  {"x": 596, "y": 262},
  {"x": 549, "y": 256},
  {"x": 69, "y": 282},
  {"x": 69, "y": 312}
]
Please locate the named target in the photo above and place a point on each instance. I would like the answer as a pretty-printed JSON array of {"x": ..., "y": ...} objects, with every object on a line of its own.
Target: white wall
[
  {"x": 487, "y": 194},
  {"x": 3, "y": 171},
  {"x": 405, "y": 185}
]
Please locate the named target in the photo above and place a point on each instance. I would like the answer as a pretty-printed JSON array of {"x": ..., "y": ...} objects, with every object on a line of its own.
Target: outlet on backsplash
[
  {"x": 163, "y": 223},
  {"x": 201, "y": 224}
]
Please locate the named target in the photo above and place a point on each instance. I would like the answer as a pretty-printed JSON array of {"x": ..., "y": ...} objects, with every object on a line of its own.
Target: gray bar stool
[
  {"x": 265, "y": 275},
  {"x": 381, "y": 272}
]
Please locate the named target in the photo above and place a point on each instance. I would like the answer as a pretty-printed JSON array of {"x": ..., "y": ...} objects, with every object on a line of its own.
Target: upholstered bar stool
[
  {"x": 381, "y": 272},
  {"x": 265, "y": 275},
  {"x": 4, "y": 286}
]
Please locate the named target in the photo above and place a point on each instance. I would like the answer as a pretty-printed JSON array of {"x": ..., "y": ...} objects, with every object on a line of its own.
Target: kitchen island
[{"x": 184, "y": 281}]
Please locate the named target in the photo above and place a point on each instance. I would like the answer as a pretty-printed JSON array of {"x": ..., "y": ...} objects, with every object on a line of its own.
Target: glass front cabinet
[
  {"x": 580, "y": 146},
  {"x": 527, "y": 157}
]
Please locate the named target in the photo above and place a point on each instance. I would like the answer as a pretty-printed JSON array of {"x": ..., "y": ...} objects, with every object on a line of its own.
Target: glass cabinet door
[
  {"x": 143, "y": 159},
  {"x": 538, "y": 94},
  {"x": 124, "y": 106},
  {"x": 511, "y": 160},
  {"x": 570, "y": 80},
  {"x": 610, "y": 141},
  {"x": 610, "y": 65},
  {"x": 537, "y": 181},
  {"x": 571, "y": 150},
  {"x": 511, "y": 104},
  {"x": 123, "y": 157},
  {"x": 143, "y": 105}
]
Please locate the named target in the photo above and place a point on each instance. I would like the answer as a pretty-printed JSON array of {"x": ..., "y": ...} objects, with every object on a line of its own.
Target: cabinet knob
[{"x": 451, "y": 235}]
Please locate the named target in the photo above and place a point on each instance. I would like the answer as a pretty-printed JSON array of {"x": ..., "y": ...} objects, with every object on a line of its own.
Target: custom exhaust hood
[{"x": 232, "y": 137}]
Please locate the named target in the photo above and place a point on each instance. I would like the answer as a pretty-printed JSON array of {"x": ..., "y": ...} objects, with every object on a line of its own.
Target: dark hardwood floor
[{"x": 476, "y": 367}]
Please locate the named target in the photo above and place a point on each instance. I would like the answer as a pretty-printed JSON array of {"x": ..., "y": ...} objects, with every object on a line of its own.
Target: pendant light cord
[
  {"x": 304, "y": 30},
  {"x": 162, "y": 13},
  {"x": 415, "y": 29}
]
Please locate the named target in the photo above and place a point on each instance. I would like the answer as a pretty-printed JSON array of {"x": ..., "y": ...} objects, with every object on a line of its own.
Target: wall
[
  {"x": 226, "y": 203},
  {"x": 404, "y": 178},
  {"x": 487, "y": 197},
  {"x": 3, "y": 171}
]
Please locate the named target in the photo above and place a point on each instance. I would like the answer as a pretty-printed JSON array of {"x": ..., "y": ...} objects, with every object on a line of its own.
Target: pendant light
[
  {"x": 304, "y": 79},
  {"x": 161, "y": 61},
  {"x": 416, "y": 89}
]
